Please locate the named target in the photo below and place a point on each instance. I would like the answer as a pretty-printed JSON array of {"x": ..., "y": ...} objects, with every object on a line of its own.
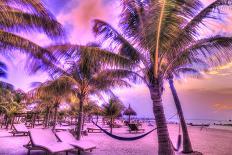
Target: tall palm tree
[
  {"x": 175, "y": 72},
  {"x": 93, "y": 71},
  {"x": 157, "y": 35},
  {"x": 22, "y": 16}
]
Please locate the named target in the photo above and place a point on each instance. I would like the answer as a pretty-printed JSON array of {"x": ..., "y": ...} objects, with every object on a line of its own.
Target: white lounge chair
[
  {"x": 19, "y": 129},
  {"x": 81, "y": 145},
  {"x": 64, "y": 128},
  {"x": 45, "y": 139}
]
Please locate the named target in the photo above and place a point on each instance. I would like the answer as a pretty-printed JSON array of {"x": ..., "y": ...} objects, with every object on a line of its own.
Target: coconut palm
[
  {"x": 93, "y": 71},
  {"x": 157, "y": 35},
  {"x": 112, "y": 110},
  {"x": 22, "y": 16},
  {"x": 54, "y": 91}
]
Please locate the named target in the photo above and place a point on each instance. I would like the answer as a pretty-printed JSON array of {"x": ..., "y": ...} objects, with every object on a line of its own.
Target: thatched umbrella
[{"x": 129, "y": 111}]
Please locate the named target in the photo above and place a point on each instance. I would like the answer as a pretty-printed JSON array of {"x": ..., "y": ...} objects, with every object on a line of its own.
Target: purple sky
[{"x": 210, "y": 97}]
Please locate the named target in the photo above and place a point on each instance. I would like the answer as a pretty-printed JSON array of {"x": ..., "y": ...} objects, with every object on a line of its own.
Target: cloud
[
  {"x": 225, "y": 70},
  {"x": 80, "y": 17},
  {"x": 222, "y": 106}
]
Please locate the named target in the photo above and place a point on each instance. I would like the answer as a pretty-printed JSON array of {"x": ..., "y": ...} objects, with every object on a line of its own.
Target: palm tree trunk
[
  {"x": 80, "y": 118},
  {"x": 83, "y": 122},
  {"x": 46, "y": 118},
  {"x": 97, "y": 119},
  {"x": 164, "y": 143},
  {"x": 55, "y": 116},
  {"x": 111, "y": 125},
  {"x": 187, "y": 147}
]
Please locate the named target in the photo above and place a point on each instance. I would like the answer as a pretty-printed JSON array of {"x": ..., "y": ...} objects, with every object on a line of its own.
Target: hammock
[
  {"x": 141, "y": 136},
  {"x": 178, "y": 143},
  {"x": 123, "y": 138}
]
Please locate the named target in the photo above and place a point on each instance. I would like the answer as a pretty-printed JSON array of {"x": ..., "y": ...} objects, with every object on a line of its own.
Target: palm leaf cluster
[
  {"x": 23, "y": 16},
  {"x": 180, "y": 46}
]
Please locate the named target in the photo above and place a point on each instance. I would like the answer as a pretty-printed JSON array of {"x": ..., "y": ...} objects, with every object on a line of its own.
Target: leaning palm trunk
[
  {"x": 164, "y": 142},
  {"x": 80, "y": 118},
  {"x": 187, "y": 147}
]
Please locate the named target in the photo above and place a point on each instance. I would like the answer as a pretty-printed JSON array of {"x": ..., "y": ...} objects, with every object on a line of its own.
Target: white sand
[{"x": 208, "y": 141}]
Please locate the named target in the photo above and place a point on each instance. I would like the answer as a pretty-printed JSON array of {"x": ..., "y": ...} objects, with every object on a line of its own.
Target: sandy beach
[{"x": 208, "y": 141}]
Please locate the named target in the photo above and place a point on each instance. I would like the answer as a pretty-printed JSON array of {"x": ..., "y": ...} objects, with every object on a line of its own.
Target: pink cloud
[{"x": 80, "y": 18}]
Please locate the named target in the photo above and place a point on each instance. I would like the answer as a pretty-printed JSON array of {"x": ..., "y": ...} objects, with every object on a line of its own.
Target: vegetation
[
  {"x": 51, "y": 93},
  {"x": 160, "y": 35},
  {"x": 23, "y": 16},
  {"x": 89, "y": 69},
  {"x": 9, "y": 103},
  {"x": 112, "y": 110}
]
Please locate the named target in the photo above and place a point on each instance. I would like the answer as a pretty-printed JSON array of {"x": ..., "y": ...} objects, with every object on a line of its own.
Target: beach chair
[
  {"x": 64, "y": 128},
  {"x": 81, "y": 145},
  {"x": 46, "y": 140},
  {"x": 134, "y": 128},
  {"x": 94, "y": 130},
  {"x": 19, "y": 129}
]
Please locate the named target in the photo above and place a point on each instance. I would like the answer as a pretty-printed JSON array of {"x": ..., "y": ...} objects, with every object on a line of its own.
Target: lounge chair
[
  {"x": 45, "y": 140},
  {"x": 135, "y": 128},
  {"x": 64, "y": 128},
  {"x": 19, "y": 129},
  {"x": 81, "y": 145},
  {"x": 94, "y": 130}
]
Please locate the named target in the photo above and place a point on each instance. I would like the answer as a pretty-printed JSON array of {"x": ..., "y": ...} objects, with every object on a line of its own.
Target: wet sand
[{"x": 208, "y": 141}]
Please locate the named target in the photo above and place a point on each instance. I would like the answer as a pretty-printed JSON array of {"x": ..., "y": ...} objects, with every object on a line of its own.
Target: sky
[{"x": 207, "y": 98}]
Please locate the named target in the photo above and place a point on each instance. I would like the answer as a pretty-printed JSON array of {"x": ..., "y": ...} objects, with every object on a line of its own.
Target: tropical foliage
[
  {"x": 112, "y": 110},
  {"x": 51, "y": 93},
  {"x": 159, "y": 36},
  {"x": 9, "y": 102},
  {"x": 89, "y": 69},
  {"x": 23, "y": 16}
]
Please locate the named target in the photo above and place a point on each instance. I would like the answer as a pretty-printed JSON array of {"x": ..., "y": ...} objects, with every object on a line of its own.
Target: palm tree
[
  {"x": 93, "y": 71},
  {"x": 112, "y": 110},
  {"x": 54, "y": 91},
  {"x": 157, "y": 35},
  {"x": 177, "y": 71},
  {"x": 22, "y": 16}
]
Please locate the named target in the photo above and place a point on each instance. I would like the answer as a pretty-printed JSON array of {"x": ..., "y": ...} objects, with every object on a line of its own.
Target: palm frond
[
  {"x": 30, "y": 5},
  {"x": 212, "y": 51},
  {"x": 108, "y": 33},
  {"x": 118, "y": 74},
  {"x": 17, "y": 21},
  {"x": 96, "y": 54},
  {"x": 190, "y": 30},
  {"x": 188, "y": 72}
]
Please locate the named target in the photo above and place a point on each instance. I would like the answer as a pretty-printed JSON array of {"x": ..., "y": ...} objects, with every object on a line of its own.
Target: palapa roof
[{"x": 129, "y": 111}]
